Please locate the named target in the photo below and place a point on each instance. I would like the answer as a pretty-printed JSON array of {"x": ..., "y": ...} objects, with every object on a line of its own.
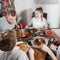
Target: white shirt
[
  {"x": 37, "y": 23},
  {"x": 15, "y": 54}
]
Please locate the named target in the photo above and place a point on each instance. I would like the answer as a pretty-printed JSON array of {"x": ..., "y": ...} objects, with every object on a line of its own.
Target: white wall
[
  {"x": 24, "y": 7},
  {"x": 28, "y": 6},
  {"x": 59, "y": 13}
]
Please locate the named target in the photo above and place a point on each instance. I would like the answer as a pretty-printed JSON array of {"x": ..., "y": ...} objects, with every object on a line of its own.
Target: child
[
  {"x": 38, "y": 21},
  {"x": 8, "y": 48}
]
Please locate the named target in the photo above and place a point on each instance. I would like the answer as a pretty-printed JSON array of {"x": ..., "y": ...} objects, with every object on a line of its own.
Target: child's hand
[
  {"x": 44, "y": 47},
  {"x": 26, "y": 26}
]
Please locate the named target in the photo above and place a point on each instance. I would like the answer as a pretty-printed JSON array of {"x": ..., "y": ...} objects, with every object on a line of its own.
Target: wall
[
  {"x": 59, "y": 13},
  {"x": 27, "y": 6},
  {"x": 24, "y": 8}
]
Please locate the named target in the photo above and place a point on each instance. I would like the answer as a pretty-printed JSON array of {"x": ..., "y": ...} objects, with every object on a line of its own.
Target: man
[{"x": 8, "y": 22}]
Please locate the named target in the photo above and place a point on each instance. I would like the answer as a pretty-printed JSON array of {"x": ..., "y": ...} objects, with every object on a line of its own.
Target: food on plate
[
  {"x": 23, "y": 46},
  {"x": 39, "y": 41},
  {"x": 48, "y": 32},
  {"x": 23, "y": 34},
  {"x": 35, "y": 29}
]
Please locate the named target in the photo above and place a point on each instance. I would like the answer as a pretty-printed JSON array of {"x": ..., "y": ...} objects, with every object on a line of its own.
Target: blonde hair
[{"x": 40, "y": 9}]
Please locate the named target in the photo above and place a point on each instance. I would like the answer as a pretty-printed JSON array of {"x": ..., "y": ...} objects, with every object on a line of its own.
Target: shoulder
[
  {"x": 2, "y": 18},
  {"x": 23, "y": 55}
]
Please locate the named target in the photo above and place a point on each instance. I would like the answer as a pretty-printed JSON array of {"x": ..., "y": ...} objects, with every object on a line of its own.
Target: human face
[
  {"x": 38, "y": 14},
  {"x": 11, "y": 19}
]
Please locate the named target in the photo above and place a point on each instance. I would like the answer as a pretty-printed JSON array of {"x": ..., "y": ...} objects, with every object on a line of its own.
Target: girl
[{"x": 38, "y": 21}]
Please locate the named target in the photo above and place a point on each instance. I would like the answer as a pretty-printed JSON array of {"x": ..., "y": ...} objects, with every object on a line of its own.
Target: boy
[{"x": 8, "y": 48}]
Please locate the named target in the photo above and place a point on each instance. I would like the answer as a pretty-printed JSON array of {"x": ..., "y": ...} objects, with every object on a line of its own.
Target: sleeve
[{"x": 23, "y": 56}]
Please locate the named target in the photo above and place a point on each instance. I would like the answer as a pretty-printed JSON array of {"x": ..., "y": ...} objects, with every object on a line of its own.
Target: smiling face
[
  {"x": 38, "y": 14},
  {"x": 11, "y": 19}
]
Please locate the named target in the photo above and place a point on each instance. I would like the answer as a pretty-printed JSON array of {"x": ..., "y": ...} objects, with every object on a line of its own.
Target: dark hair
[
  {"x": 39, "y": 9},
  {"x": 3, "y": 13},
  {"x": 13, "y": 13}
]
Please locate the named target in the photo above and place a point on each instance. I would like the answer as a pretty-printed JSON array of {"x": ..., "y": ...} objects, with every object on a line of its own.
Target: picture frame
[{"x": 46, "y": 1}]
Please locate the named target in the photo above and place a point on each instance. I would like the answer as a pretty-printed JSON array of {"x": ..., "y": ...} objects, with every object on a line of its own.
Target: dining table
[{"x": 38, "y": 33}]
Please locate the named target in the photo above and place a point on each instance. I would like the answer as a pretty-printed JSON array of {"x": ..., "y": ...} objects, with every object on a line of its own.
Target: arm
[
  {"x": 52, "y": 55},
  {"x": 29, "y": 24},
  {"x": 47, "y": 50}
]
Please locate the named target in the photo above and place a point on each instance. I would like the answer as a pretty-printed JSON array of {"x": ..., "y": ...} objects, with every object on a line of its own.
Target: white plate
[
  {"x": 46, "y": 40},
  {"x": 19, "y": 42}
]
